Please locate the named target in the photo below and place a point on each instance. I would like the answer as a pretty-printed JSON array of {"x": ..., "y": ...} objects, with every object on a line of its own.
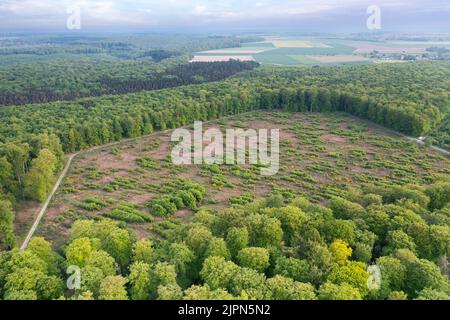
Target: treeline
[
  {"x": 270, "y": 249},
  {"x": 88, "y": 78},
  {"x": 440, "y": 136},
  {"x": 123, "y": 46},
  {"x": 91, "y": 122},
  {"x": 184, "y": 74}
]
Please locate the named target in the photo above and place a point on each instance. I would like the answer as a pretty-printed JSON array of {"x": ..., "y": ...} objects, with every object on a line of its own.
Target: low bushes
[
  {"x": 183, "y": 195},
  {"x": 95, "y": 204},
  {"x": 129, "y": 212}
]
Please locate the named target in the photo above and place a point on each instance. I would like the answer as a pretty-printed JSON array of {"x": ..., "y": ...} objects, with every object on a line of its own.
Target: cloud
[{"x": 31, "y": 14}]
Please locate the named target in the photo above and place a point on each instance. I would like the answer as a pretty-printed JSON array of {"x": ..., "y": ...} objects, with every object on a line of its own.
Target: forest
[
  {"x": 90, "y": 78},
  {"x": 54, "y": 68}
]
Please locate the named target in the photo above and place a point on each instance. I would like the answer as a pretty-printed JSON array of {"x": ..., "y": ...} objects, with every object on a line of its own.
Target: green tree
[
  {"x": 217, "y": 272},
  {"x": 291, "y": 219},
  {"x": 84, "y": 296},
  {"x": 139, "y": 279},
  {"x": 39, "y": 181},
  {"x": 47, "y": 141},
  {"x": 91, "y": 280},
  {"x": 113, "y": 288},
  {"x": 265, "y": 231},
  {"x": 7, "y": 238},
  {"x": 50, "y": 287},
  {"x": 347, "y": 210},
  {"x": 170, "y": 292},
  {"x": 25, "y": 259},
  {"x": 353, "y": 273},
  {"x": 143, "y": 251},
  {"x": 23, "y": 279},
  {"x": 320, "y": 260},
  {"x": 103, "y": 261},
  {"x": 181, "y": 257},
  {"x": 293, "y": 268},
  {"x": 393, "y": 273},
  {"x": 43, "y": 250},
  {"x": 21, "y": 295},
  {"x": 18, "y": 156},
  {"x": 162, "y": 274},
  {"x": 254, "y": 258},
  {"x": 205, "y": 293},
  {"x": 343, "y": 291},
  {"x": 119, "y": 245},
  {"x": 237, "y": 239},
  {"x": 432, "y": 294},
  {"x": 341, "y": 251},
  {"x": 217, "y": 247},
  {"x": 439, "y": 194},
  {"x": 282, "y": 288},
  {"x": 198, "y": 238},
  {"x": 8, "y": 183},
  {"x": 397, "y": 239},
  {"x": 78, "y": 252},
  {"x": 423, "y": 274},
  {"x": 397, "y": 295},
  {"x": 250, "y": 283}
]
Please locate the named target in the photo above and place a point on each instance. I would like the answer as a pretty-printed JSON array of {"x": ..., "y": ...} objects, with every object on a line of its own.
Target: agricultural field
[
  {"x": 291, "y": 51},
  {"x": 286, "y": 51},
  {"x": 321, "y": 156},
  {"x": 330, "y": 59},
  {"x": 298, "y": 44},
  {"x": 221, "y": 58}
]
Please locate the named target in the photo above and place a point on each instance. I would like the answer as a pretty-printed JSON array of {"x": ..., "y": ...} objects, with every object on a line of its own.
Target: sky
[{"x": 225, "y": 15}]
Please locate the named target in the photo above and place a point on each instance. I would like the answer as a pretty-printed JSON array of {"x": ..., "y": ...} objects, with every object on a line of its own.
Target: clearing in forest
[{"x": 320, "y": 155}]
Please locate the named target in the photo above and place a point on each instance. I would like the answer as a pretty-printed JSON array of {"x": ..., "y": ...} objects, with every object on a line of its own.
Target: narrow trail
[
  {"x": 399, "y": 134},
  {"x": 47, "y": 202}
]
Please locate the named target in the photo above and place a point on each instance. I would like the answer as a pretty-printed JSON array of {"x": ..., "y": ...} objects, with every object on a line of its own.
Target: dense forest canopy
[
  {"x": 272, "y": 248},
  {"x": 72, "y": 80}
]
